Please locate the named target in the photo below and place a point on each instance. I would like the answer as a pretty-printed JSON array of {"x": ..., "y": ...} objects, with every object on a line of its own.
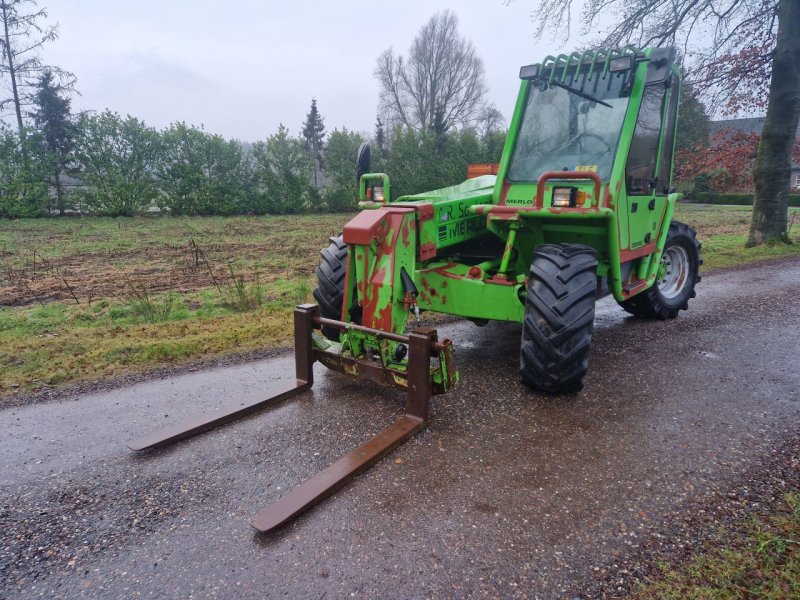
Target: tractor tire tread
[
  {"x": 330, "y": 283},
  {"x": 559, "y": 317}
]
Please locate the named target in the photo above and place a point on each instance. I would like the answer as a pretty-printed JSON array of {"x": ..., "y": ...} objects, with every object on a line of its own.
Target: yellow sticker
[{"x": 592, "y": 168}]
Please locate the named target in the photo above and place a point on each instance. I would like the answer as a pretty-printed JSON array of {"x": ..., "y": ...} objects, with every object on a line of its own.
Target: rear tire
[
  {"x": 330, "y": 284},
  {"x": 671, "y": 294},
  {"x": 559, "y": 317}
]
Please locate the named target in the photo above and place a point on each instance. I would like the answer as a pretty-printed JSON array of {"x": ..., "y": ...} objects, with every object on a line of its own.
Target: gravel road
[{"x": 506, "y": 494}]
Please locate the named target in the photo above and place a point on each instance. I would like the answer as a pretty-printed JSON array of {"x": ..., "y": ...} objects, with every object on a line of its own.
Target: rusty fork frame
[{"x": 422, "y": 345}]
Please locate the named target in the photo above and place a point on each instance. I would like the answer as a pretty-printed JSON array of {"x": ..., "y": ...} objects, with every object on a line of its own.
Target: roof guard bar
[{"x": 598, "y": 60}]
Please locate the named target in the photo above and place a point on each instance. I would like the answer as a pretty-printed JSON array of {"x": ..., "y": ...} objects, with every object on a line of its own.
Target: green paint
[
  {"x": 447, "y": 288},
  {"x": 513, "y": 227}
]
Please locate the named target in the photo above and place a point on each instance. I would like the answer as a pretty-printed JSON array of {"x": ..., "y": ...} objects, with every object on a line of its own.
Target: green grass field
[
  {"x": 88, "y": 299},
  {"x": 723, "y": 231}
]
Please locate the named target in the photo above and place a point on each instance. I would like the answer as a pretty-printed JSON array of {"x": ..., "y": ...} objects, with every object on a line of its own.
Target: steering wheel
[{"x": 602, "y": 140}]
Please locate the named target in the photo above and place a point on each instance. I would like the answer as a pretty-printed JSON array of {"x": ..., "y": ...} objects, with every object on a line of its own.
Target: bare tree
[
  {"x": 490, "y": 120},
  {"x": 744, "y": 54},
  {"x": 21, "y": 39},
  {"x": 441, "y": 82}
]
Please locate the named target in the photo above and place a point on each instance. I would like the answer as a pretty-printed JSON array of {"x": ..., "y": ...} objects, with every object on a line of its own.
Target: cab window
[{"x": 640, "y": 169}]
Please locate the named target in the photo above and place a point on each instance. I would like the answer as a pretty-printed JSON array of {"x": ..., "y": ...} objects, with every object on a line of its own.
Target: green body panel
[
  {"x": 451, "y": 222},
  {"x": 447, "y": 288},
  {"x": 468, "y": 247}
]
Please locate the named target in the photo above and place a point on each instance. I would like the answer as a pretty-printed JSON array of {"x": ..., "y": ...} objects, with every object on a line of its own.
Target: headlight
[
  {"x": 621, "y": 63},
  {"x": 529, "y": 72},
  {"x": 564, "y": 197}
]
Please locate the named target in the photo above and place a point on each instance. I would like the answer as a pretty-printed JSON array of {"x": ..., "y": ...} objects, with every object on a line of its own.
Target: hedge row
[{"x": 737, "y": 199}]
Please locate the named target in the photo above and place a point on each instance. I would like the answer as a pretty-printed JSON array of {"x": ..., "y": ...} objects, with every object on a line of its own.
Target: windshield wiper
[{"x": 581, "y": 94}]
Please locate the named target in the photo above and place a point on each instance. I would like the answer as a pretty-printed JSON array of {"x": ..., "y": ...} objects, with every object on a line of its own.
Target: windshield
[{"x": 563, "y": 131}]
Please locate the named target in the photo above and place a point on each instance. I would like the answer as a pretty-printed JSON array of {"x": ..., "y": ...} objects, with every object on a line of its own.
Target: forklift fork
[{"x": 422, "y": 345}]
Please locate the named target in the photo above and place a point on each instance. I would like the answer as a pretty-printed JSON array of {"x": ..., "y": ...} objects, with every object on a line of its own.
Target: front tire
[
  {"x": 680, "y": 272},
  {"x": 559, "y": 317}
]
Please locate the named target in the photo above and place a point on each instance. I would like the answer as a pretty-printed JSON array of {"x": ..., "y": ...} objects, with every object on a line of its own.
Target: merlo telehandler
[{"x": 580, "y": 207}]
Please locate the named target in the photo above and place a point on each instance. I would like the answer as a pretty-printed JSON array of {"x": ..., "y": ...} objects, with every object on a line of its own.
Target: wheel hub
[{"x": 674, "y": 271}]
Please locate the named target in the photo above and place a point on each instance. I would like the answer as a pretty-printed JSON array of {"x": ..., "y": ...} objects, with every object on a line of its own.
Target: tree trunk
[
  {"x": 59, "y": 192},
  {"x": 773, "y": 165},
  {"x": 12, "y": 75},
  {"x": 316, "y": 166}
]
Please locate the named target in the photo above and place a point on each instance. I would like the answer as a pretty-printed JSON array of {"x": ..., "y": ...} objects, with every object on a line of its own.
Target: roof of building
[
  {"x": 746, "y": 125},
  {"x": 749, "y": 125}
]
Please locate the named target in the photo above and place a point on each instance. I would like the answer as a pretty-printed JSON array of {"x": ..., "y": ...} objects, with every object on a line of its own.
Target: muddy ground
[{"x": 82, "y": 260}]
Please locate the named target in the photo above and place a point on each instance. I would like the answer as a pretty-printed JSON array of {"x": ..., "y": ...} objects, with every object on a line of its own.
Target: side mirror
[{"x": 362, "y": 162}]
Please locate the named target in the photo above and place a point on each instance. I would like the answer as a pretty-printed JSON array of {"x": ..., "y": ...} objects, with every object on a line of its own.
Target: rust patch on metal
[
  {"x": 368, "y": 224},
  {"x": 577, "y": 209},
  {"x": 361, "y": 228},
  {"x": 628, "y": 255},
  {"x": 406, "y": 233},
  {"x": 608, "y": 200},
  {"x": 634, "y": 287},
  {"x": 427, "y": 251},
  {"x": 503, "y": 194},
  {"x": 375, "y": 282},
  {"x": 425, "y": 212},
  {"x": 500, "y": 280}
]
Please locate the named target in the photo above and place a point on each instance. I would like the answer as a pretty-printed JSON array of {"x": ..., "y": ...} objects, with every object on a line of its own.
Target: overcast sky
[{"x": 241, "y": 67}]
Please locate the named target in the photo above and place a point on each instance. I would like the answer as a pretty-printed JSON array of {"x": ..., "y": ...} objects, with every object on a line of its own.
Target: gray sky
[{"x": 241, "y": 67}]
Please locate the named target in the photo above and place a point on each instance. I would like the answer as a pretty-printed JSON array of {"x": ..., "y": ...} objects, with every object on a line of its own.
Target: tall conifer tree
[
  {"x": 314, "y": 135},
  {"x": 52, "y": 116}
]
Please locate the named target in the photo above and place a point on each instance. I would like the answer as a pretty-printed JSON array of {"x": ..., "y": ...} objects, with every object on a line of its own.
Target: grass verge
[
  {"x": 759, "y": 558},
  {"x": 65, "y": 343}
]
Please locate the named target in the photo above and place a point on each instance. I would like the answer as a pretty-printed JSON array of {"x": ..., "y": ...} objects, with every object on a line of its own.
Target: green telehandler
[{"x": 580, "y": 207}]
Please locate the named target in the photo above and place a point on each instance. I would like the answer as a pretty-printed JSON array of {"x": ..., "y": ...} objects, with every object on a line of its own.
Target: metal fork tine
[
  {"x": 324, "y": 483},
  {"x": 201, "y": 423}
]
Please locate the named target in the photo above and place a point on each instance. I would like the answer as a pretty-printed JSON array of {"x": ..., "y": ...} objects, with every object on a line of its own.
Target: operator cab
[{"x": 576, "y": 115}]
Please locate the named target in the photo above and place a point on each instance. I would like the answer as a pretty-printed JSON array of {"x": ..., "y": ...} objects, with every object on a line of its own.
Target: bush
[
  {"x": 282, "y": 173},
  {"x": 420, "y": 161},
  {"x": 117, "y": 160},
  {"x": 340, "y": 166},
  {"x": 200, "y": 173},
  {"x": 23, "y": 180},
  {"x": 735, "y": 199}
]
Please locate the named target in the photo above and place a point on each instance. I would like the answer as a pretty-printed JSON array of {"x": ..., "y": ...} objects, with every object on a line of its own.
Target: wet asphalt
[{"x": 507, "y": 493}]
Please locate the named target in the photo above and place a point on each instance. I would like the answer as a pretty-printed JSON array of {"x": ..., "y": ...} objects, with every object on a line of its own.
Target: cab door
[{"x": 649, "y": 165}]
